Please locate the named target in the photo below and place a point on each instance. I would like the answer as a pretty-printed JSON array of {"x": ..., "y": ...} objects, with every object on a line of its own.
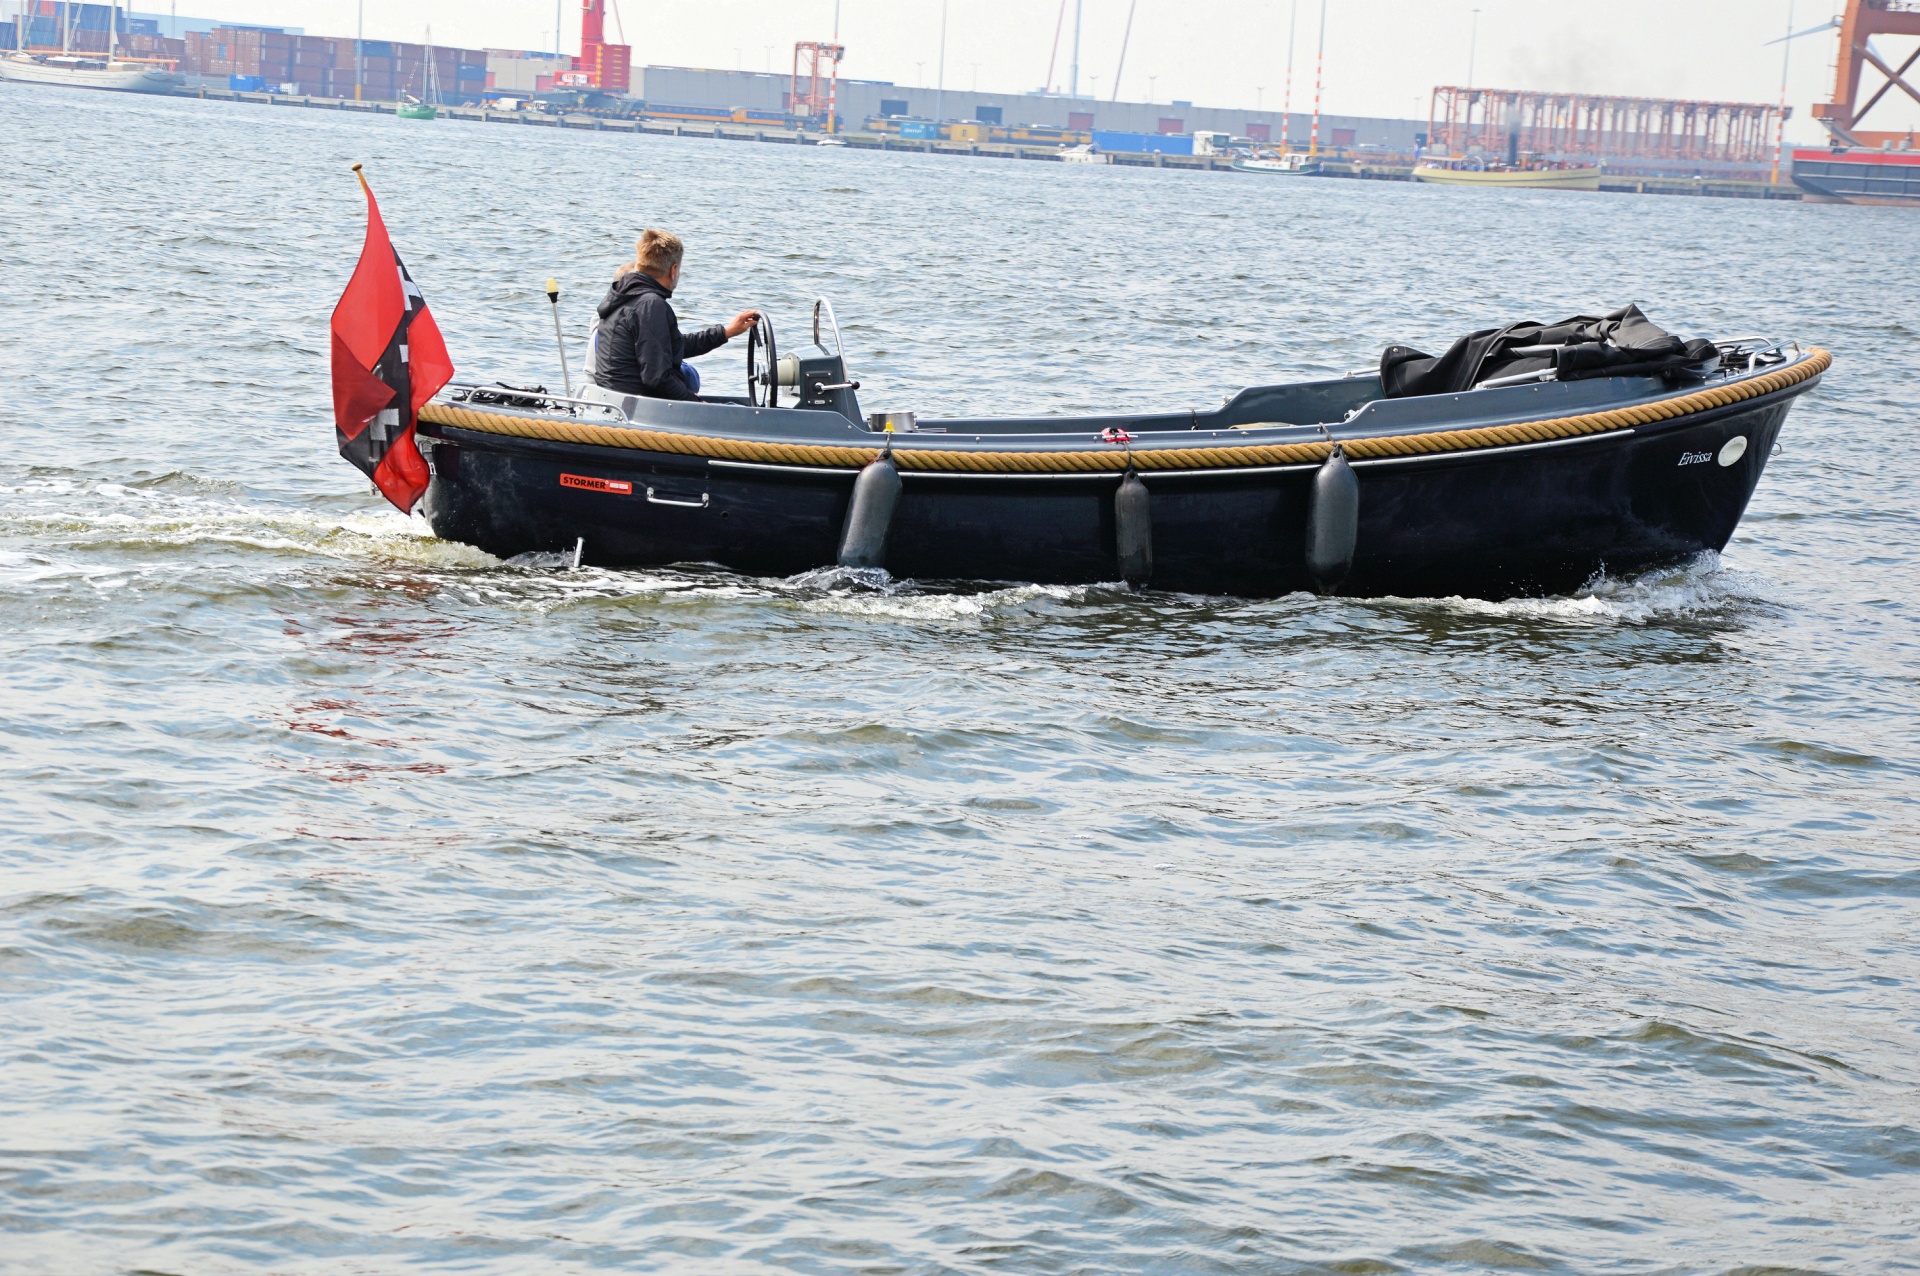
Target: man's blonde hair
[{"x": 658, "y": 252}]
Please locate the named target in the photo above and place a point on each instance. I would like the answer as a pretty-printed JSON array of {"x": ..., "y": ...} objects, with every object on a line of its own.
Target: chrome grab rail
[
  {"x": 668, "y": 500},
  {"x": 839, "y": 347},
  {"x": 1753, "y": 357},
  {"x": 1519, "y": 378}
]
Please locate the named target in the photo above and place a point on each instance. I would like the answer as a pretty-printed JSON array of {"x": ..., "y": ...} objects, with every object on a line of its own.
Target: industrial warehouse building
[{"x": 859, "y": 99}]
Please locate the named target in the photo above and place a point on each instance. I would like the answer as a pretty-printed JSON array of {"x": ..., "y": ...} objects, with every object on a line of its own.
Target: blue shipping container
[
  {"x": 924, "y": 130},
  {"x": 1142, "y": 143},
  {"x": 246, "y": 83}
]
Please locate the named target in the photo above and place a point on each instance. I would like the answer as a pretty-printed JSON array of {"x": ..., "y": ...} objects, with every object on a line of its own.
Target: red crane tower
[
  {"x": 1863, "y": 20},
  {"x": 602, "y": 66},
  {"x": 816, "y": 99}
]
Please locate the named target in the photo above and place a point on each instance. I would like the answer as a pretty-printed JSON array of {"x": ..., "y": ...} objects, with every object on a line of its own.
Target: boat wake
[{"x": 61, "y": 527}]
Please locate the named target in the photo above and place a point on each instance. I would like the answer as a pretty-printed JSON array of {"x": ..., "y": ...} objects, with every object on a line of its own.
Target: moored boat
[
  {"x": 1530, "y": 177},
  {"x": 81, "y": 71},
  {"x": 424, "y": 107},
  {"x": 1524, "y": 460},
  {"x": 1290, "y": 164}
]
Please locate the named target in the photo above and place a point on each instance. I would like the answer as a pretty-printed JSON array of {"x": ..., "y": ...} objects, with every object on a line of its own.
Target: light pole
[
  {"x": 1259, "y": 97},
  {"x": 1151, "y": 81},
  {"x": 1073, "y": 78},
  {"x": 940, "y": 85},
  {"x": 360, "y": 52}
]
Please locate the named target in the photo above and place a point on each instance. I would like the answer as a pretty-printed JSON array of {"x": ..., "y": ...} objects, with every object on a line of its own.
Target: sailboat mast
[
  {"x": 1126, "y": 38},
  {"x": 1319, "y": 78},
  {"x": 113, "y": 30},
  {"x": 1286, "y": 103}
]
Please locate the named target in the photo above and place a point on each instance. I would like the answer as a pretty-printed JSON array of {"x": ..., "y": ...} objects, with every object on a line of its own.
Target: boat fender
[
  {"x": 1333, "y": 522},
  {"x": 1133, "y": 530},
  {"x": 876, "y": 493}
]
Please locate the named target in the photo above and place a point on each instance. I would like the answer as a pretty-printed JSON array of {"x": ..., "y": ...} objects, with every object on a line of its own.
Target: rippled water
[{"x": 367, "y": 904}]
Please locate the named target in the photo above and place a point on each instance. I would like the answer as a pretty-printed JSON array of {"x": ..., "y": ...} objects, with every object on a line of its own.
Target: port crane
[{"x": 1858, "y": 24}]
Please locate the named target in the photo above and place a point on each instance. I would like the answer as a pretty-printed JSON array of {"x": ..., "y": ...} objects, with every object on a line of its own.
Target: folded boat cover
[{"x": 1621, "y": 344}]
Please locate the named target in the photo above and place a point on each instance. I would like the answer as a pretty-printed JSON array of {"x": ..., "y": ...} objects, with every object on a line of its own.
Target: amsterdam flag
[{"x": 388, "y": 360}]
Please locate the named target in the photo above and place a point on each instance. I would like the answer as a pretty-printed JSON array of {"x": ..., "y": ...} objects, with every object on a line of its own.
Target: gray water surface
[{"x": 367, "y": 904}]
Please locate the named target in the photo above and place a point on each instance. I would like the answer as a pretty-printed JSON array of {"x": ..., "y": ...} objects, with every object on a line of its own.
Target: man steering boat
[{"x": 638, "y": 347}]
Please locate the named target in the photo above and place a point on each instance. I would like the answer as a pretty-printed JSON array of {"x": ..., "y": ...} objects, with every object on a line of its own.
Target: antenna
[{"x": 553, "y": 298}]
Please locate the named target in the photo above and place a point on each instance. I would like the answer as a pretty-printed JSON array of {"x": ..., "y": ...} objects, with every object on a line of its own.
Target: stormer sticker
[{"x": 618, "y": 487}]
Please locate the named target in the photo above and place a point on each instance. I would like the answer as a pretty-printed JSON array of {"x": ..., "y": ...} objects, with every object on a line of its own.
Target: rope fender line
[{"x": 1110, "y": 460}]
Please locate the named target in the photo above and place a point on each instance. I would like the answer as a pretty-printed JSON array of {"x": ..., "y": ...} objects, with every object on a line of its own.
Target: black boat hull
[{"x": 1492, "y": 523}]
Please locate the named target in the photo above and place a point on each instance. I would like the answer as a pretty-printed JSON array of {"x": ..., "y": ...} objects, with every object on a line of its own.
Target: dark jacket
[{"x": 641, "y": 345}]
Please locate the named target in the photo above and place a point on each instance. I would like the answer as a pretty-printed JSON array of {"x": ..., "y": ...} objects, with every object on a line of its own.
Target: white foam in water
[
  {"x": 1703, "y": 586},
  {"x": 907, "y": 603},
  {"x": 542, "y": 582}
]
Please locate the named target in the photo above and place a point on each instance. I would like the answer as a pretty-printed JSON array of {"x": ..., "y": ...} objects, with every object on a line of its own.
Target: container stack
[
  {"x": 159, "y": 48},
  {"x": 250, "y": 59}
]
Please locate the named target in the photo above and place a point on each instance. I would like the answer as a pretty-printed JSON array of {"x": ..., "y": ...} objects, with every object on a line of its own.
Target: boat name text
[{"x": 618, "y": 486}]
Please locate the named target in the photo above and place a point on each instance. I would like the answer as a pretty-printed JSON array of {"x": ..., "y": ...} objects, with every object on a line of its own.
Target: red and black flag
[{"x": 388, "y": 360}]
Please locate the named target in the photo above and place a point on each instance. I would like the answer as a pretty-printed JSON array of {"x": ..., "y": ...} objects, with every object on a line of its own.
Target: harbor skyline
[{"x": 1707, "y": 49}]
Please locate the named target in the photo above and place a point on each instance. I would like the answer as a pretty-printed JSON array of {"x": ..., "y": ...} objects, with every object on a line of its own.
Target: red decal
[{"x": 618, "y": 486}]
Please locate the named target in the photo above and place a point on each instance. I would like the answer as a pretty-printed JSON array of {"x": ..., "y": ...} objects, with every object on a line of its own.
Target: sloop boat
[{"x": 1522, "y": 461}]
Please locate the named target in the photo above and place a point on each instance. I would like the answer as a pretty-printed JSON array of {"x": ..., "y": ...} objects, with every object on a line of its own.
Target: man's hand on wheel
[{"x": 743, "y": 321}]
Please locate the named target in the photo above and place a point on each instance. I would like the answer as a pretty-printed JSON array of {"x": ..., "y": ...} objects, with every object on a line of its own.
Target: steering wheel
[{"x": 763, "y": 364}]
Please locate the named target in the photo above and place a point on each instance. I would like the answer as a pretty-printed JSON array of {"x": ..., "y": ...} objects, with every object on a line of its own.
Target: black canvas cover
[{"x": 1621, "y": 343}]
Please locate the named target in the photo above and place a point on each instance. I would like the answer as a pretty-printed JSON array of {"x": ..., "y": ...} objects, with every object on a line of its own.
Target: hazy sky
[{"x": 1383, "y": 56}]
